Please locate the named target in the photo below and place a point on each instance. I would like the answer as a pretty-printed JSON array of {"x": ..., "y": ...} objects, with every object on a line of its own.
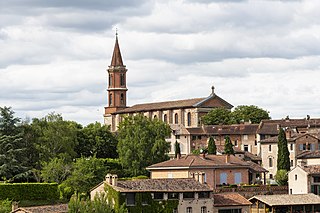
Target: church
[{"x": 179, "y": 114}]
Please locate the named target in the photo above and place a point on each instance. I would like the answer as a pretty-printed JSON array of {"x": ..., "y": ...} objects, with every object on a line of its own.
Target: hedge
[{"x": 29, "y": 191}]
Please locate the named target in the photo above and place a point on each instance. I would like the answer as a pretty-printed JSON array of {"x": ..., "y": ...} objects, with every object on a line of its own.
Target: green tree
[
  {"x": 212, "y": 148},
  {"x": 249, "y": 113},
  {"x": 96, "y": 140},
  {"x": 141, "y": 142},
  {"x": 177, "y": 150},
  {"x": 217, "y": 116},
  {"x": 283, "y": 160},
  {"x": 13, "y": 165},
  {"x": 282, "y": 177},
  {"x": 55, "y": 137},
  {"x": 228, "y": 146},
  {"x": 86, "y": 173},
  {"x": 56, "y": 170}
]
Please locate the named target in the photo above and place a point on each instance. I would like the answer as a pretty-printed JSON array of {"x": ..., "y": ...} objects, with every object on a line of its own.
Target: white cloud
[{"x": 55, "y": 54}]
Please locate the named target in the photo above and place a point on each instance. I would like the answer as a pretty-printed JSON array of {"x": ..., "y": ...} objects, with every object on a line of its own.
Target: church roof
[
  {"x": 116, "y": 57},
  {"x": 187, "y": 103}
]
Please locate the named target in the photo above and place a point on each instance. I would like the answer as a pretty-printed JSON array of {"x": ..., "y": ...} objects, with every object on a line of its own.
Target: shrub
[
  {"x": 5, "y": 206},
  {"x": 29, "y": 191}
]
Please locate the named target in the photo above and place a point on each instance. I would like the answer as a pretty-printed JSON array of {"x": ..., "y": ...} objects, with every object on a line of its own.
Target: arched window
[
  {"x": 110, "y": 100},
  {"x": 122, "y": 79},
  {"x": 176, "y": 118},
  {"x": 122, "y": 98},
  {"x": 110, "y": 80},
  {"x": 165, "y": 119},
  {"x": 189, "y": 119}
]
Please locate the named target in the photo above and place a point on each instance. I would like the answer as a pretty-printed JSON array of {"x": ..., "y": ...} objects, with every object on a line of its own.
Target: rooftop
[
  {"x": 288, "y": 199},
  {"x": 161, "y": 185},
  {"x": 309, "y": 154},
  {"x": 215, "y": 101},
  {"x": 230, "y": 199},
  {"x": 210, "y": 161},
  {"x": 312, "y": 169}
]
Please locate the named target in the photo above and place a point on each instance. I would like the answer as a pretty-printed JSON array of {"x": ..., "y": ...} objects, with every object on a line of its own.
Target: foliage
[
  {"x": 142, "y": 143},
  {"x": 29, "y": 191},
  {"x": 140, "y": 200},
  {"x": 177, "y": 150},
  {"x": 5, "y": 206},
  {"x": 96, "y": 140},
  {"x": 249, "y": 113},
  {"x": 55, "y": 137},
  {"x": 283, "y": 161},
  {"x": 56, "y": 170},
  {"x": 99, "y": 204},
  {"x": 12, "y": 152},
  {"x": 228, "y": 146},
  {"x": 282, "y": 177},
  {"x": 86, "y": 173},
  {"x": 217, "y": 116},
  {"x": 212, "y": 148}
]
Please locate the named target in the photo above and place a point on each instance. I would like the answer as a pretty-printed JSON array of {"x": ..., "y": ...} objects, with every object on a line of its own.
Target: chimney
[
  {"x": 14, "y": 206},
  {"x": 227, "y": 158},
  {"x": 109, "y": 179},
  {"x": 288, "y": 133},
  {"x": 201, "y": 177},
  {"x": 114, "y": 180},
  {"x": 302, "y": 163},
  {"x": 196, "y": 176}
]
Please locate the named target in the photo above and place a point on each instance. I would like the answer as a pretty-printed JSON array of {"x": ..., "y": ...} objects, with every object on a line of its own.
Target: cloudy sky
[{"x": 54, "y": 54}]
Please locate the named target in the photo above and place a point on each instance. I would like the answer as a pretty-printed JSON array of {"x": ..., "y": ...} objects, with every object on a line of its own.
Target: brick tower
[{"x": 117, "y": 87}]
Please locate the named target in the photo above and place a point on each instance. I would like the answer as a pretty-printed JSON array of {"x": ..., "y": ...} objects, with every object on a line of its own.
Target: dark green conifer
[
  {"x": 212, "y": 148},
  {"x": 283, "y": 161},
  {"x": 228, "y": 146}
]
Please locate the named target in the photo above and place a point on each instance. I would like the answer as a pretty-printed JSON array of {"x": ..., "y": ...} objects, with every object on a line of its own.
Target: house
[
  {"x": 297, "y": 144},
  {"x": 285, "y": 203},
  {"x": 305, "y": 177},
  {"x": 152, "y": 195},
  {"x": 187, "y": 112},
  {"x": 215, "y": 170},
  {"x": 231, "y": 203},
  {"x": 243, "y": 136}
]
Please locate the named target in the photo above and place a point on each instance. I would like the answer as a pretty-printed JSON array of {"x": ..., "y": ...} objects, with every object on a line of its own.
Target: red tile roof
[
  {"x": 162, "y": 185},
  {"x": 187, "y": 103},
  {"x": 309, "y": 154},
  {"x": 234, "y": 129},
  {"x": 312, "y": 169},
  {"x": 196, "y": 161},
  {"x": 230, "y": 199}
]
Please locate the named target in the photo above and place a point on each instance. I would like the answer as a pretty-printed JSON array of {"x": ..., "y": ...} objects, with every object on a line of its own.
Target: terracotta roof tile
[
  {"x": 288, "y": 199},
  {"x": 309, "y": 154},
  {"x": 162, "y": 185},
  {"x": 161, "y": 105},
  {"x": 210, "y": 161},
  {"x": 230, "y": 199},
  {"x": 312, "y": 169}
]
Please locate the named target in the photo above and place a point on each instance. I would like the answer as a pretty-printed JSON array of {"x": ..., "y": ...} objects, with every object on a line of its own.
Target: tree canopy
[
  {"x": 13, "y": 159},
  {"x": 249, "y": 113},
  {"x": 141, "y": 142},
  {"x": 283, "y": 160},
  {"x": 242, "y": 113},
  {"x": 217, "y": 116}
]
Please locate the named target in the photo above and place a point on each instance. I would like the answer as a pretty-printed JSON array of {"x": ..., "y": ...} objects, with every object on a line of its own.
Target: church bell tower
[{"x": 117, "y": 87}]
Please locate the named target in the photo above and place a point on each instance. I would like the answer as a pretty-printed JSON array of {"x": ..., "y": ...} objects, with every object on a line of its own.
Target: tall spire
[{"x": 116, "y": 57}]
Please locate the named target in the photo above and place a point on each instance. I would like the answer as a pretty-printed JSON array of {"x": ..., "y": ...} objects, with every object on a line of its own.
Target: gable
[{"x": 213, "y": 101}]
